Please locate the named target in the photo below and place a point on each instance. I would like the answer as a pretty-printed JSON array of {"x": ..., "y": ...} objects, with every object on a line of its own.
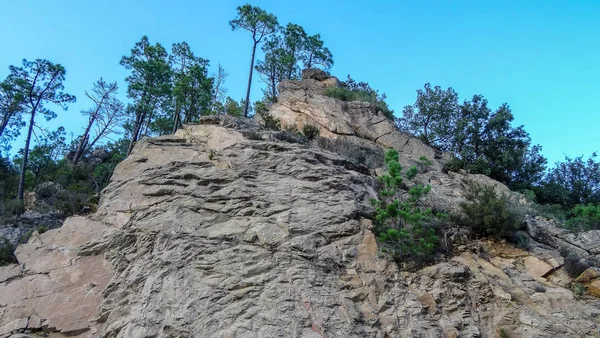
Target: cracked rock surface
[{"x": 206, "y": 233}]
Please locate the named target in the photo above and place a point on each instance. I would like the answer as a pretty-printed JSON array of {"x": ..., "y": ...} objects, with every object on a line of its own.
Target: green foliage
[
  {"x": 522, "y": 240},
  {"x": 584, "y": 218},
  {"x": 284, "y": 51},
  {"x": 192, "y": 91},
  {"x": 39, "y": 82},
  {"x": 259, "y": 24},
  {"x": 11, "y": 112},
  {"x": 572, "y": 182},
  {"x": 402, "y": 227},
  {"x": 6, "y": 252},
  {"x": 289, "y": 136},
  {"x": 262, "y": 109},
  {"x": 573, "y": 263},
  {"x": 433, "y": 117},
  {"x": 578, "y": 289},
  {"x": 10, "y": 209},
  {"x": 482, "y": 141},
  {"x": 311, "y": 131},
  {"x": 149, "y": 85},
  {"x": 489, "y": 214},
  {"x": 503, "y": 333},
  {"x": 233, "y": 108},
  {"x": 360, "y": 91},
  {"x": 552, "y": 211},
  {"x": 253, "y": 135}
]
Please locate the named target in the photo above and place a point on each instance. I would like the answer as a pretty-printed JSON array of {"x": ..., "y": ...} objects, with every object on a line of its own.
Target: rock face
[{"x": 212, "y": 233}]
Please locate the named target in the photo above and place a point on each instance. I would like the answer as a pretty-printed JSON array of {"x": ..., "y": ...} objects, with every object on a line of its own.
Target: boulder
[{"x": 315, "y": 74}]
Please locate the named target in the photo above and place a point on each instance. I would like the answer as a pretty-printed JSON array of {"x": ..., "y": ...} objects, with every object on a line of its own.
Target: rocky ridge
[{"x": 211, "y": 233}]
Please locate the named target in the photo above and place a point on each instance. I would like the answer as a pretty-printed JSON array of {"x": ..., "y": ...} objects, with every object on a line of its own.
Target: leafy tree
[
  {"x": 260, "y": 24},
  {"x": 316, "y": 54},
  {"x": 584, "y": 217},
  {"x": 433, "y": 116},
  {"x": 572, "y": 182},
  {"x": 149, "y": 84},
  {"x": 233, "y": 108},
  {"x": 11, "y": 107},
  {"x": 219, "y": 90},
  {"x": 275, "y": 67},
  {"x": 40, "y": 82},
  {"x": 9, "y": 180},
  {"x": 43, "y": 158},
  {"x": 295, "y": 40},
  {"x": 402, "y": 226},
  {"x": 192, "y": 88},
  {"x": 483, "y": 141},
  {"x": 106, "y": 115}
]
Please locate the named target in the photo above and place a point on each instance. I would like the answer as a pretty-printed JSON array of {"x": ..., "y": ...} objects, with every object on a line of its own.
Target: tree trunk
[
  {"x": 136, "y": 131},
  {"x": 82, "y": 142},
  {"x": 250, "y": 80},
  {"x": 21, "y": 191},
  {"x": 176, "y": 123}
]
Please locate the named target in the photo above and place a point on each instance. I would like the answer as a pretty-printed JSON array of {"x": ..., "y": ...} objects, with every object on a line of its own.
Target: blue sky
[{"x": 542, "y": 57}]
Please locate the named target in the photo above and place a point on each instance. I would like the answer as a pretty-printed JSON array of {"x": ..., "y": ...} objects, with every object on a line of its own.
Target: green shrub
[
  {"x": 574, "y": 264},
  {"x": 489, "y": 214},
  {"x": 25, "y": 237},
  {"x": 290, "y": 137},
  {"x": 10, "y": 209},
  {"x": 584, "y": 218},
  {"x": 454, "y": 164},
  {"x": 271, "y": 122},
  {"x": 403, "y": 228},
  {"x": 578, "y": 289},
  {"x": 311, "y": 131},
  {"x": 253, "y": 135},
  {"x": 75, "y": 200},
  {"x": 551, "y": 211},
  {"x": 372, "y": 157},
  {"x": 522, "y": 240},
  {"x": 6, "y": 252},
  {"x": 360, "y": 91}
]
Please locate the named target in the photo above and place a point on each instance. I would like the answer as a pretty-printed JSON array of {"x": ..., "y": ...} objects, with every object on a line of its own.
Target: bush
[
  {"x": 311, "y": 131},
  {"x": 75, "y": 200},
  {"x": 271, "y": 122},
  {"x": 454, "y": 165},
  {"x": 288, "y": 136},
  {"x": 11, "y": 208},
  {"x": 522, "y": 240},
  {"x": 551, "y": 211},
  {"x": 6, "y": 252},
  {"x": 403, "y": 228},
  {"x": 584, "y": 218},
  {"x": 360, "y": 91},
  {"x": 578, "y": 289},
  {"x": 253, "y": 135},
  {"x": 574, "y": 265},
  {"x": 372, "y": 157},
  {"x": 489, "y": 214}
]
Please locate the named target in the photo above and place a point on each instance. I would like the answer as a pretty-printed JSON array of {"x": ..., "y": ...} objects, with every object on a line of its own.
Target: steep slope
[{"x": 212, "y": 233}]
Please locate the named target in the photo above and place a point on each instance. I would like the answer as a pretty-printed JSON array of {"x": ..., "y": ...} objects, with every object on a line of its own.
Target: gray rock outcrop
[{"x": 209, "y": 233}]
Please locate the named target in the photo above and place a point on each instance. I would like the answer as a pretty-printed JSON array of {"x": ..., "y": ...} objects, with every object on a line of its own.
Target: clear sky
[{"x": 542, "y": 57}]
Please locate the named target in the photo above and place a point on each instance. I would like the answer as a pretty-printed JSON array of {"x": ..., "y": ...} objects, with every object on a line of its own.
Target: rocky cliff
[{"x": 226, "y": 229}]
